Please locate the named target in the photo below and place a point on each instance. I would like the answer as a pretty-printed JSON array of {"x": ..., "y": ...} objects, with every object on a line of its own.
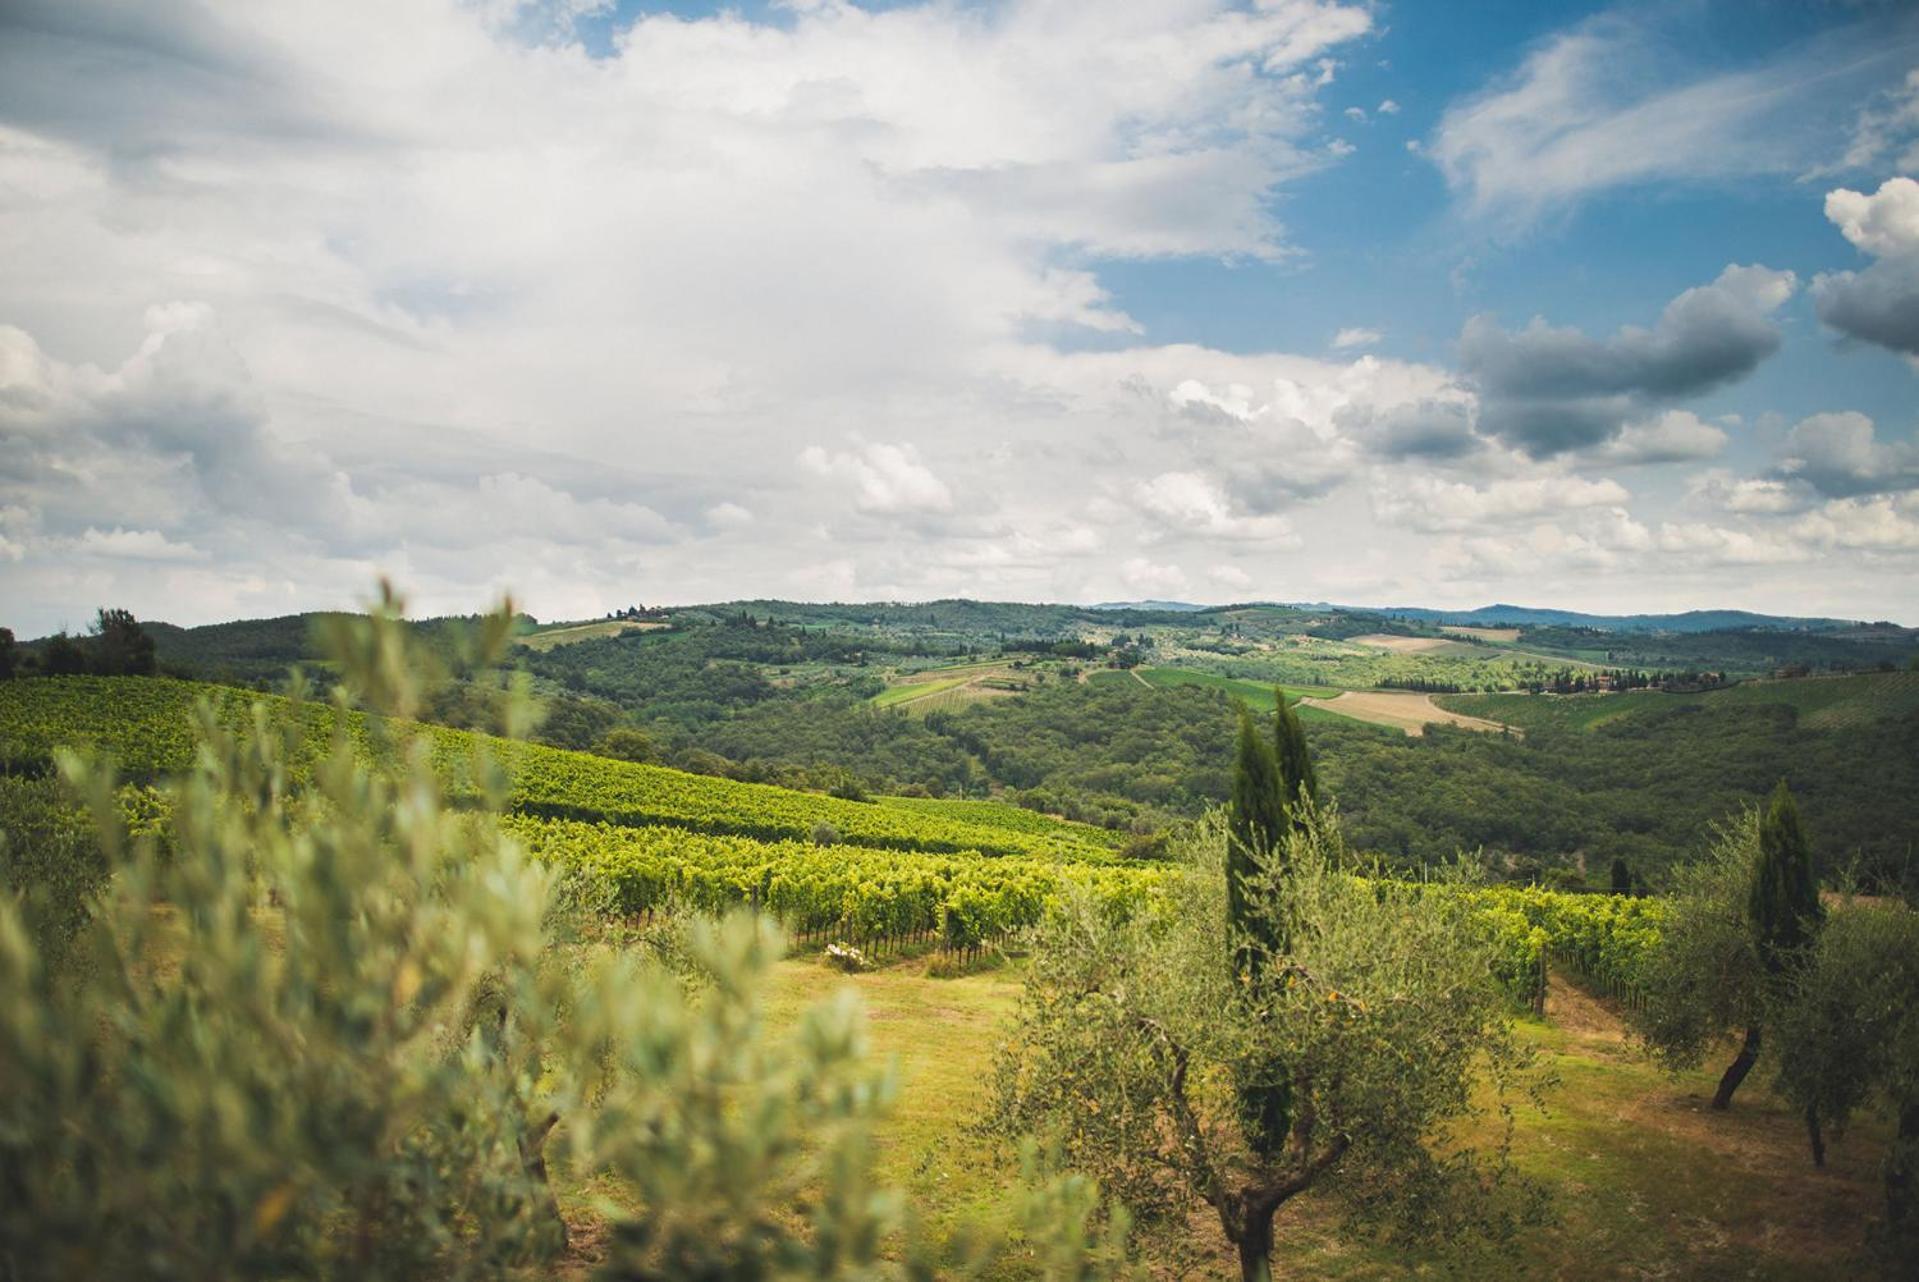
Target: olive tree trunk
[{"x": 1737, "y": 1070}]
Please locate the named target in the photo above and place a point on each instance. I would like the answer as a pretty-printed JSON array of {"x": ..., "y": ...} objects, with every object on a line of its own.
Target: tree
[
  {"x": 1740, "y": 920},
  {"x": 627, "y": 744},
  {"x": 1297, "y": 778},
  {"x": 1256, "y": 827},
  {"x": 9, "y": 654},
  {"x": 1622, "y": 883},
  {"x": 63, "y": 657},
  {"x": 1382, "y": 1015},
  {"x": 1849, "y": 1037},
  {"x": 120, "y": 647}
]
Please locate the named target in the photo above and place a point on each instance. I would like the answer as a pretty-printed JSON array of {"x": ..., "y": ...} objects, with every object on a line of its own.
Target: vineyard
[
  {"x": 883, "y": 875},
  {"x": 146, "y": 726},
  {"x": 879, "y": 900}
]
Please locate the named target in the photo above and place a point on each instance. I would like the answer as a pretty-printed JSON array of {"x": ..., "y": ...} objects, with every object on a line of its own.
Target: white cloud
[
  {"x": 1888, "y": 523},
  {"x": 1840, "y": 456},
  {"x": 1230, "y": 576},
  {"x": 1607, "y": 104},
  {"x": 1356, "y": 336},
  {"x": 1747, "y": 495},
  {"x": 1151, "y": 579},
  {"x": 1880, "y": 304},
  {"x": 887, "y": 479},
  {"x": 1387, "y": 108},
  {"x": 134, "y": 545},
  {"x": 1429, "y": 504},
  {"x": 1886, "y": 134},
  {"x": 1190, "y": 503},
  {"x": 1676, "y": 436}
]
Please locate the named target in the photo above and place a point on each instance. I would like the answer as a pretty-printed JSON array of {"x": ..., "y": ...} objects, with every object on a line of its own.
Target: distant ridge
[
  {"x": 1690, "y": 621},
  {"x": 1167, "y": 607}
]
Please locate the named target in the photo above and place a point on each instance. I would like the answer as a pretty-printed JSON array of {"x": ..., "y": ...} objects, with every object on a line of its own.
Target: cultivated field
[
  {"x": 548, "y": 638},
  {"x": 952, "y": 687},
  {"x": 1499, "y": 636},
  {"x": 1402, "y": 709},
  {"x": 1411, "y": 645}
]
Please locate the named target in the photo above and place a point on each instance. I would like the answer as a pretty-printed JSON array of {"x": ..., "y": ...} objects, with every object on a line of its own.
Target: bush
[{"x": 374, "y": 1045}]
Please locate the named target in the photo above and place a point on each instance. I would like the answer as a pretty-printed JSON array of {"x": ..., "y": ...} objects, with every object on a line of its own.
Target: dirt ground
[
  {"x": 1406, "y": 645},
  {"x": 1404, "y": 709}
]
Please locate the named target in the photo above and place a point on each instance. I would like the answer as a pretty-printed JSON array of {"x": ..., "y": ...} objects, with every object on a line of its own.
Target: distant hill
[
  {"x": 1161, "y": 607},
  {"x": 1508, "y": 616}
]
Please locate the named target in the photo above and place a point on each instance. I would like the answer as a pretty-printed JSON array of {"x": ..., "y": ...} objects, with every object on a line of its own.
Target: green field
[
  {"x": 1645, "y": 1180},
  {"x": 1823, "y": 703}
]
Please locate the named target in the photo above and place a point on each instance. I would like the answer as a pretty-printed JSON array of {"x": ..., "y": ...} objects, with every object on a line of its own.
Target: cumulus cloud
[
  {"x": 887, "y": 479},
  {"x": 1194, "y": 504},
  {"x": 1839, "y": 456},
  {"x": 1430, "y": 504},
  {"x": 1548, "y": 389},
  {"x": 1151, "y": 578},
  {"x": 1611, "y": 104},
  {"x": 1675, "y": 436},
  {"x": 1356, "y": 336},
  {"x": 1888, "y": 523},
  {"x": 1753, "y": 495},
  {"x": 1879, "y": 305},
  {"x": 1426, "y": 429}
]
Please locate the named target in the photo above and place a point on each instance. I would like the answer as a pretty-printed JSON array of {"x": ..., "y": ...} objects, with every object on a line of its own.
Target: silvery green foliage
[
  {"x": 1706, "y": 978},
  {"x": 328, "y": 1031},
  {"x": 1382, "y": 1011}
]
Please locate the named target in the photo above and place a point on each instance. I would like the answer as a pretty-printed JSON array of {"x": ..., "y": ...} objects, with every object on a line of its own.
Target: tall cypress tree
[
  {"x": 1256, "y": 822},
  {"x": 1296, "y": 776},
  {"x": 1783, "y": 913},
  {"x": 1784, "y": 907}
]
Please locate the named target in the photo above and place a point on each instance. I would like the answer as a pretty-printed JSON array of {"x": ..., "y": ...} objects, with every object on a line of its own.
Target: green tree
[
  {"x": 1256, "y": 828},
  {"x": 9, "y": 654},
  {"x": 627, "y": 744},
  {"x": 1849, "y": 1038},
  {"x": 1740, "y": 919},
  {"x": 120, "y": 646},
  {"x": 1382, "y": 1016},
  {"x": 1298, "y": 780},
  {"x": 1622, "y": 883},
  {"x": 63, "y": 657}
]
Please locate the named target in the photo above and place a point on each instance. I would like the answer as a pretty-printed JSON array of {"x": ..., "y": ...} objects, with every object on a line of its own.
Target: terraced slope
[{"x": 145, "y": 724}]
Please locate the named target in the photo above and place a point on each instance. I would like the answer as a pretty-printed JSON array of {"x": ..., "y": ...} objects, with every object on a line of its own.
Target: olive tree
[
  {"x": 326, "y": 1028},
  {"x": 1132, "y": 1039},
  {"x": 1740, "y": 920},
  {"x": 1849, "y": 1038}
]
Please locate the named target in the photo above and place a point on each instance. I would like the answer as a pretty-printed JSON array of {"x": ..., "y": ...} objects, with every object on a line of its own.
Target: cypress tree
[
  {"x": 1256, "y": 823},
  {"x": 1257, "y": 826},
  {"x": 1621, "y": 877},
  {"x": 1296, "y": 776},
  {"x": 1783, "y": 913},
  {"x": 1784, "y": 908}
]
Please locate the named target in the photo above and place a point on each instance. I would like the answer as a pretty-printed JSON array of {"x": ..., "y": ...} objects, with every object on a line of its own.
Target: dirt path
[
  {"x": 1580, "y": 1013},
  {"x": 1405, "y": 709}
]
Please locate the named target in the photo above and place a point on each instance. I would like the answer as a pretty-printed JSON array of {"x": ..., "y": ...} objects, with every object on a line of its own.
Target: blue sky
[{"x": 1601, "y": 306}]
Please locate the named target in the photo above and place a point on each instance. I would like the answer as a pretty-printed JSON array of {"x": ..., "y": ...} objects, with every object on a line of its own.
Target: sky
[{"x": 1603, "y": 307}]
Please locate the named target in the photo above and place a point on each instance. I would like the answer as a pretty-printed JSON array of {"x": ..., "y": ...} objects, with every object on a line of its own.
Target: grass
[{"x": 1646, "y": 1181}]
